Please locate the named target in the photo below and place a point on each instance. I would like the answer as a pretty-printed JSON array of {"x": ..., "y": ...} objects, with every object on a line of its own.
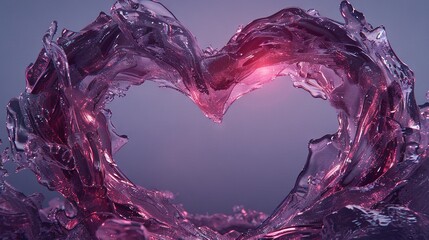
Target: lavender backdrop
[{"x": 254, "y": 156}]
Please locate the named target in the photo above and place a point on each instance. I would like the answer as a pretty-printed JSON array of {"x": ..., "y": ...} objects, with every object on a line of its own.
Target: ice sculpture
[{"x": 369, "y": 180}]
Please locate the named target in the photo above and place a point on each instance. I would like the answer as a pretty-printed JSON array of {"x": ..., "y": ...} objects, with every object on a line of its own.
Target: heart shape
[{"x": 62, "y": 127}]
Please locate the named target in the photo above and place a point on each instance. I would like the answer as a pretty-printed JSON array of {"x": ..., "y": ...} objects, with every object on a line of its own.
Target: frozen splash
[{"x": 368, "y": 180}]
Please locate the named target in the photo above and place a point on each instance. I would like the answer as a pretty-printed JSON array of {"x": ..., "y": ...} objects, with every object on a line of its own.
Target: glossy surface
[{"x": 366, "y": 180}]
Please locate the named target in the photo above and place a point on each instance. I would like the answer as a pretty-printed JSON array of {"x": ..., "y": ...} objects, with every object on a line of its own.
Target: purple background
[{"x": 255, "y": 155}]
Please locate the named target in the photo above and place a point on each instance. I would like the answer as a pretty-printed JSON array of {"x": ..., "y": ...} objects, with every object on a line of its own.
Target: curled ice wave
[{"x": 365, "y": 180}]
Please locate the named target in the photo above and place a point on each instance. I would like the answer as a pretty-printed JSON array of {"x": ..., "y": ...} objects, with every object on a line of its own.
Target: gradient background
[{"x": 255, "y": 155}]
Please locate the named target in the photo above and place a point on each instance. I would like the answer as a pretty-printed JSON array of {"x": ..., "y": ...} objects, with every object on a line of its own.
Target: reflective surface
[{"x": 366, "y": 180}]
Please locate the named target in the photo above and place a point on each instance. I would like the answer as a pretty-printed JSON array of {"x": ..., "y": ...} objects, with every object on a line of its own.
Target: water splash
[{"x": 368, "y": 180}]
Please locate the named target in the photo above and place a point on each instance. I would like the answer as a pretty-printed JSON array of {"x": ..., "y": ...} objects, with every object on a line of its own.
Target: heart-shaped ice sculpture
[{"x": 368, "y": 180}]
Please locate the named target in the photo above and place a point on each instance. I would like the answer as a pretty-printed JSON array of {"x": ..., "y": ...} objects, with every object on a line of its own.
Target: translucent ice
[{"x": 368, "y": 180}]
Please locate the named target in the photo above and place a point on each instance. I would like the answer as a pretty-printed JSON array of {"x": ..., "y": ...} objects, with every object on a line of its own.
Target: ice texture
[{"x": 369, "y": 180}]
